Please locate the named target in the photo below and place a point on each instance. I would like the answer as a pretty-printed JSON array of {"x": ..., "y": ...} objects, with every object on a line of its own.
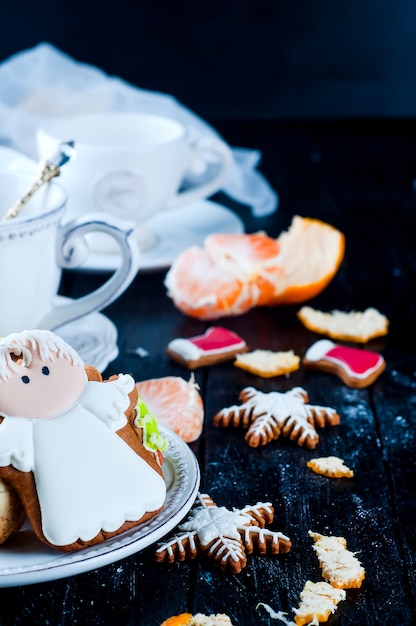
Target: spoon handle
[{"x": 48, "y": 169}]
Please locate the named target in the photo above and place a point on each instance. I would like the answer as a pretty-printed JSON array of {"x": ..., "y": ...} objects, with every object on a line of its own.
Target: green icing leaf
[{"x": 153, "y": 440}]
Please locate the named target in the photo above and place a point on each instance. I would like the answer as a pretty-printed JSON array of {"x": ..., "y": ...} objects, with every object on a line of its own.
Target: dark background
[
  {"x": 326, "y": 90},
  {"x": 247, "y": 59}
]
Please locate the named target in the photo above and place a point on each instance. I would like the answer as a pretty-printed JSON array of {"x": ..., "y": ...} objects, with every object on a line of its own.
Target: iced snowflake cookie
[
  {"x": 217, "y": 344},
  {"x": 267, "y": 363},
  {"x": 267, "y": 416},
  {"x": 355, "y": 367},
  {"x": 224, "y": 537},
  {"x": 352, "y": 326},
  {"x": 68, "y": 445},
  {"x": 339, "y": 566},
  {"x": 187, "y": 619},
  {"x": 331, "y": 466}
]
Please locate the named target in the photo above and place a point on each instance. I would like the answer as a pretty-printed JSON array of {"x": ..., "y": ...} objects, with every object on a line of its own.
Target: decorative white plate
[
  {"x": 24, "y": 560},
  {"x": 94, "y": 337},
  {"x": 175, "y": 230}
]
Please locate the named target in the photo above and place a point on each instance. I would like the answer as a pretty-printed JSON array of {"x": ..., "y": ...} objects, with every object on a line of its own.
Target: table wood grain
[{"x": 362, "y": 182}]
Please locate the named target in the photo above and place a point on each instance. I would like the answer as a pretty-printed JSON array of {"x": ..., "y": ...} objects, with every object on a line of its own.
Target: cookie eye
[
  {"x": 45, "y": 370},
  {"x": 25, "y": 379}
]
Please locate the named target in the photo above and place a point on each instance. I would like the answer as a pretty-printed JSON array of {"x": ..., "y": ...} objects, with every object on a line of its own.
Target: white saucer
[
  {"x": 176, "y": 230},
  {"x": 24, "y": 560},
  {"x": 94, "y": 337}
]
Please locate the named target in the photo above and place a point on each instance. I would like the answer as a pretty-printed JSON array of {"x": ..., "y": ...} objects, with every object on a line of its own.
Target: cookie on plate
[
  {"x": 12, "y": 514},
  {"x": 58, "y": 431}
]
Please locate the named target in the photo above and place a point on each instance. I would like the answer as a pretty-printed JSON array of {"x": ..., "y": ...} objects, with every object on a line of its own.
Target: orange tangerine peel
[{"x": 311, "y": 254}]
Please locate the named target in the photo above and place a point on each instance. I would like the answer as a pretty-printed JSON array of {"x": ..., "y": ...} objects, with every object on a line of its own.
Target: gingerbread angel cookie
[{"x": 67, "y": 446}]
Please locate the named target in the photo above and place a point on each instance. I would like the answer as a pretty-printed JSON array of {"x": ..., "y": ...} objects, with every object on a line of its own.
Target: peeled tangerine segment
[
  {"x": 253, "y": 258},
  {"x": 206, "y": 290},
  {"x": 176, "y": 403}
]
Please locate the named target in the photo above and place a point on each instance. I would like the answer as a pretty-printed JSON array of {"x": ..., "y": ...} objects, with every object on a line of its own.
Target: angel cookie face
[{"x": 40, "y": 375}]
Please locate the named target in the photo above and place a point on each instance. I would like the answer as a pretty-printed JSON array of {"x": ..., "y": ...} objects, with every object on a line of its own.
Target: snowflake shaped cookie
[
  {"x": 270, "y": 415},
  {"x": 223, "y": 536}
]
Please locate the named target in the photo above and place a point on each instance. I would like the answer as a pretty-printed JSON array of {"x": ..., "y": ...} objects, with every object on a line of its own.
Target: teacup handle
[
  {"x": 204, "y": 190},
  {"x": 72, "y": 250}
]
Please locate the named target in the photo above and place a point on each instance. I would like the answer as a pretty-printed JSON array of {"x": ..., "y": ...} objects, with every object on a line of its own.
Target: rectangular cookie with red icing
[
  {"x": 215, "y": 345},
  {"x": 355, "y": 367}
]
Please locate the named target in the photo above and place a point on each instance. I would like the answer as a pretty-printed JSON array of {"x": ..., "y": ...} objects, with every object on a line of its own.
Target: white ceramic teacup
[
  {"x": 132, "y": 165},
  {"x": 36, "y": 245}
]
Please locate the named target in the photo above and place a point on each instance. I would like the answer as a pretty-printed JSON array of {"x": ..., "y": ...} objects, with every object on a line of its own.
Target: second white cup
[{"x": 133, "y": 165}]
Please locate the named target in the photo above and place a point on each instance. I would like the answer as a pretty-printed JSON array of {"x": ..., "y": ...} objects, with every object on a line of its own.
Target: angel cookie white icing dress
[{"x": 62, "y": 427}]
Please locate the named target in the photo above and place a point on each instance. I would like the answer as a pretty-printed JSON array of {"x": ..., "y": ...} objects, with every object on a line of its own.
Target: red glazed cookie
[
  {"x": 355, "y": 367},
  {"x": 68, "y": 446},
  {"x": 217, "y": 344}
]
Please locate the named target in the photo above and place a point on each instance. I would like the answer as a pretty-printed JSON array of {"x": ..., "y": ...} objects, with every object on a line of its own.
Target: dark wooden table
[{"x": 358, "y": 176}]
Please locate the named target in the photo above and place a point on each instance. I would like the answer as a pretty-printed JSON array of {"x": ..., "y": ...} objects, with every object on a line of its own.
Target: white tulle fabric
[{"x": 42, "y": 83}]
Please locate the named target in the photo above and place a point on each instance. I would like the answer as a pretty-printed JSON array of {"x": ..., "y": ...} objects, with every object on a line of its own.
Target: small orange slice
[
  {"x": 175, "y": 403},
  {"x": 206, "y": 290},
  {"x": 311, "y": 253}
]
